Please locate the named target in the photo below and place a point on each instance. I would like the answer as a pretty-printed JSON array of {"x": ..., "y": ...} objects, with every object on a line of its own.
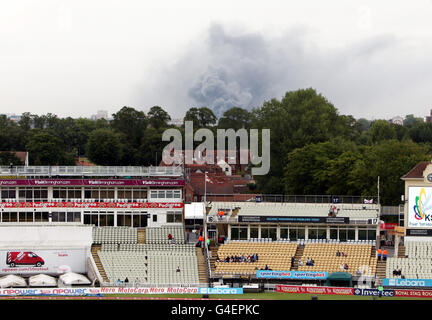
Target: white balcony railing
[{"x": 111, "y": 171}]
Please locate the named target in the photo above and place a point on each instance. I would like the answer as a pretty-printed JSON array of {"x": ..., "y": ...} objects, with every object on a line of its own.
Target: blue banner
[
  {"x": 407, "y": 282},
  {"x": 300, "y": 275},
  {"x": 220, "y": 290}
]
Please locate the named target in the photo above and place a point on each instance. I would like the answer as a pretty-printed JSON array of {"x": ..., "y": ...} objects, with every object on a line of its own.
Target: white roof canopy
[
  {"x": 74, "y": 278},
  {"x": 42, "y": 280},
  {"x": 12, "y": 281}
]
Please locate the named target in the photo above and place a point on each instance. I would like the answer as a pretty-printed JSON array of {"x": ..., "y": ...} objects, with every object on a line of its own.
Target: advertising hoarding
[
  {"x": 420, "y": 207},
  {"x": 300, "y": 275},
  {"x": 29, "y": 261}
]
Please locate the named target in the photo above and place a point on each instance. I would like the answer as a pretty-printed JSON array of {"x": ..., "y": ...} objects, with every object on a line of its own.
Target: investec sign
[
  {"x": 420, "y": 207},
  {"x": 373, "y": 292}
]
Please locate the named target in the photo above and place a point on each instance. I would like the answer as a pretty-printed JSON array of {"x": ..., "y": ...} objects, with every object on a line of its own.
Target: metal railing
[
  {"x": 121, "y": 171},
  {"x": 330, "y": 199}
]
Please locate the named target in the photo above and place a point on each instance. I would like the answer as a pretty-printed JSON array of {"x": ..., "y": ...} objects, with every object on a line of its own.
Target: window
[
  {"x": 173, "y": 217},
  {"x": 333, "y": 233},
  {"x": 165, "y": 194},
  {"x": 351, "y": 234},
  {"x": 41, "y": 216},
  {"x": 155, "y": 218},
  {"x": 371, "y": 234},
  {"x": 8, "y": 193},
  {"x": 239, "y": 233},
  {"x": 284, "y": 233},
  {"x": 312, "y": 233},
  {"x": 322, "y": 233},
  {"x": 268, "y": 232},
  {"x": 254, "y": 231},
  {"x": 362, "y": 233}
]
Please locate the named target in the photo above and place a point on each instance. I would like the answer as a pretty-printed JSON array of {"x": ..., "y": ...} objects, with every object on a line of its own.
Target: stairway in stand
[
  {"x": 141, "y": 235},
  {"x": 381, "y": 271},
  {"x": 213, "y": 256},
  {"x": 202, "y": 266},
  {"x": 298, "y": 255},
  {"x": 94, "y": 249},
  {"x": 401, "y": 252}
]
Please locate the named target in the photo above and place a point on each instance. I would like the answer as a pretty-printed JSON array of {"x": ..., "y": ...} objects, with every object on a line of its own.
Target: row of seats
[
  {"x": 411, "y": 268},
  {"x": 150, "y": 268},
  {"x": 274, "y": 255},
  {"x": 417, "y": 264},
  {"x": 160, "y": 234},
  {"x": 113, "y": 235},
  {"x": 358, "y": 257}
]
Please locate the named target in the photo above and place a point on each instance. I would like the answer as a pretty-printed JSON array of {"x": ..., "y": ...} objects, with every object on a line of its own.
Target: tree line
[{"x": 314, "y": 149}]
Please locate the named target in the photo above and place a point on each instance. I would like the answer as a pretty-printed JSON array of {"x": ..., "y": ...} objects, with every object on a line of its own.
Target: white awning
[{"x": 194, "y": 210}]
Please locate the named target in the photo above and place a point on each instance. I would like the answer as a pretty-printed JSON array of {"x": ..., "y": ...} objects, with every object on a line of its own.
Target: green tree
[
  {"x": 201, "y": 117},
  {"x": 235, "y": 118},
  {"x": 132, "y": 123},
  {"x": 421, "y": 132},
  {"x": 302, "y": 117},
  {"x": 158, "y": 117},
  {"x": 104, "y": 147},
  {"x": 7, "y": 158},
  {"x": 381, "y": 130},
  {"x": 46, "y": 149},
  {"x": 390, "y": 160},
  {"x": 310, "y": 169}
]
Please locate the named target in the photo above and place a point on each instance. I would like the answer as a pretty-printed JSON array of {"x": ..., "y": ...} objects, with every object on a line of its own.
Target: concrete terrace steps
[
  {"x": 141, "y": 236},
  {"x": 401, "y": 252},
  {"x": 298, "y": 255},
  {"x": 202, "y": 266},
  {"x": 213, "y": 256},
  {"x": 381, "y": 270},
  {"x": 94, "y": 250}
]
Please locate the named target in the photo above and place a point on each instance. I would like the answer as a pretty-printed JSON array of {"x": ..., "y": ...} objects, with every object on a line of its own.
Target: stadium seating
[
  {"x": 276, "y": 255},
  {"x": 353, "y": 211},
  {"x": 417, "y": 265},
  {"x": 160, "y": 234},
  {"x": 325, "y": 259},
  {"x": 155, "y": 262},
  {"x": 103, "y": 235}
]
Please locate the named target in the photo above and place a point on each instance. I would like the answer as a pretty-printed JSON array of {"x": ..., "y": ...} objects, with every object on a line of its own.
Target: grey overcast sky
[{"x": 369, "y": 58}]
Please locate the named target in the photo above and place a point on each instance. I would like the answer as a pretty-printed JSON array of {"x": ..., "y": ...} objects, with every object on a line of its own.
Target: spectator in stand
[
  {"x": 208, "y": 243},
  {"x": 358, "y": 272},
  {"x": 395, "y": 273},
  {"x": 292, "y": 261},
  {"x": 346, "y": 267},
  {"x": 178, "y": 269},
  {"x": 338, "y": 254},
  {"x": 169, "y": 237},
  {"x": 342, "y": 267},
  {"x": 126, "y": 280},
  {"x": 256, "y": 256},
  {"x": 172, "y": 240},
  {"x": 300, "y": 263},
  {"x": 266, "y": 267},
  {"x": 379, "y": 254}
]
